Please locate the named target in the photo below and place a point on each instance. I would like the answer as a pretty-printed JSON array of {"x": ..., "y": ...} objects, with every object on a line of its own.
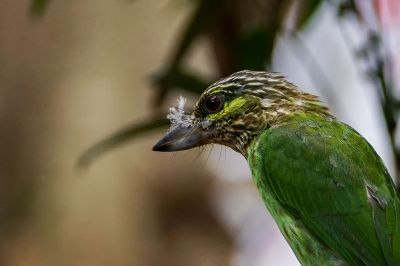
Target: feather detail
[{"x": 178, "y": 116}]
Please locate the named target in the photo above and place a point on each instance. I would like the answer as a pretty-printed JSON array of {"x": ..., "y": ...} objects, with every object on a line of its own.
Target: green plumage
[
  {"x": 322, "y": 182},
  {"x": 324, "y": 185}
]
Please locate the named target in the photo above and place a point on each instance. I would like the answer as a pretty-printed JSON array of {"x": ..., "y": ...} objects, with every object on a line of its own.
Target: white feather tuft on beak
[{"x": 178, "y": 116}]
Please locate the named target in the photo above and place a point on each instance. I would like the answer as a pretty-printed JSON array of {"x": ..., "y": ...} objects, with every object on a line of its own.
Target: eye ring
[{"x": 214, "y": 103}]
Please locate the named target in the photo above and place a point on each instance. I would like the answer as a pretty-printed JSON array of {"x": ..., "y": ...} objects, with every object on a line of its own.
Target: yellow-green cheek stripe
[{"x": 229, "y": 108}]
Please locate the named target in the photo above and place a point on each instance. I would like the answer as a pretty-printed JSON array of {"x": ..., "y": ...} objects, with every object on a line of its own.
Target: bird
[{"x": 325, "y": 186}]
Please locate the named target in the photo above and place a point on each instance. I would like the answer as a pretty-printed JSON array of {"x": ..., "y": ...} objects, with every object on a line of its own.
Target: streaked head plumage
[{"x": 234, "y": 110}]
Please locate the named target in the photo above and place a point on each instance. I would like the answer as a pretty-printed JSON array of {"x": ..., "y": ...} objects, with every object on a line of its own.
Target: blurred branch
[{"x": 120, "y": 137}]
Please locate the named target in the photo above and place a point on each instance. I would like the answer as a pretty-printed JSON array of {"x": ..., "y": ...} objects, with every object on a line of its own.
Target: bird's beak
[{"x": 182, "y": 138}]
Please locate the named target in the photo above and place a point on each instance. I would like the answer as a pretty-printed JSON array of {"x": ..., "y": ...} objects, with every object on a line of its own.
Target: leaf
[
  {"x": 120, "y": 137},
  {"x": 307, "y": 12},
  {"x": 38, "y": 7},
  {"x": 196, "y": 26},
  {"x": 255, "y": 48},
  {"x": 177, "y": 78}
]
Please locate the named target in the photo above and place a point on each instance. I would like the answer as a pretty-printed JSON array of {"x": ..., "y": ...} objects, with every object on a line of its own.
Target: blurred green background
[{"x": 81, "y": 78}]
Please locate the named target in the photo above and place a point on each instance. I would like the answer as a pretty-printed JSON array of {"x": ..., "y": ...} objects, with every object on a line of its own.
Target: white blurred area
[{"x": 350, "y": 97}]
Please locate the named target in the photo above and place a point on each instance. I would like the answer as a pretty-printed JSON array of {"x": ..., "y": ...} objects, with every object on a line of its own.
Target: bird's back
[{"x": 333, "y": 187}]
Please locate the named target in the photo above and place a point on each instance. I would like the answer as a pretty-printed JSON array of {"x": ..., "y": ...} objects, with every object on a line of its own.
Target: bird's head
[{"x": 236, "y": 109}]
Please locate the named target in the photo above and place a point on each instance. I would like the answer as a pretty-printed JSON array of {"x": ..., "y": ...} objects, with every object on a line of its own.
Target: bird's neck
[{"x": 283, "y": 118}]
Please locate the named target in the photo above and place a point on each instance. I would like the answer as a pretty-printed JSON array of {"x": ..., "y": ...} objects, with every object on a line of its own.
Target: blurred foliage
[
  {"x": 121, "y": 137},
  {"x": 308, "y": 10},
  {"x": 39, "y": 6},
  {"x": 242, "y": 35},
  {"x": 177, "y": 78},
  {"x": 379, "y": 71}
]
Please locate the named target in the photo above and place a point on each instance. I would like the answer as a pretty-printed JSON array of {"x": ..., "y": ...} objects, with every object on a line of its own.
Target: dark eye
[{"x": 214, "y": 103}]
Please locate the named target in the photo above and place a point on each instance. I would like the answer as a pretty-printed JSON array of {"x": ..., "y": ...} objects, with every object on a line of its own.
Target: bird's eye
[{"x": 214, "y": 103}]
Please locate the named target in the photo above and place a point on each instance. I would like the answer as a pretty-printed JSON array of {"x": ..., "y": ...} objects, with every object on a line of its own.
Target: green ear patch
[{"x": 229, "y": 108}]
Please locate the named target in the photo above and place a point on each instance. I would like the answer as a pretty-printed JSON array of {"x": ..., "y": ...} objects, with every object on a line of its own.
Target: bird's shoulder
[{"x": 330, "y": 152}]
